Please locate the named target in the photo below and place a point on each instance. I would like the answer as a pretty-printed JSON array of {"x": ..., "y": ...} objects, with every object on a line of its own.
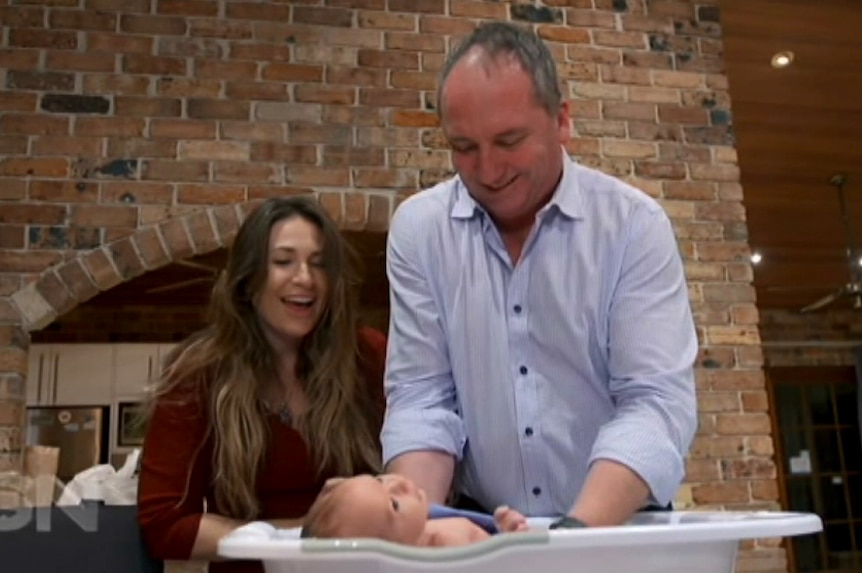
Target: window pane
[
  {"x": 854, "y": 487},
  {"x": 852, "y": 446},
  {"x": 807, "y": 553},
  {"x": 840, "y": 551},
  {"x": 799, "y": 494},
  {"x": 796, "y": 447},
  {"x": 847, "y": 403},
  {"x": 820, "y": 401},
  {"x": 788, "y": 399},
  {"x": 832, "y": 494},
  {"x": 827, "y": 450}
]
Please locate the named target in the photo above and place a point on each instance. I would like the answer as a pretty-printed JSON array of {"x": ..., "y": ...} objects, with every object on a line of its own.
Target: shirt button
[
  {"x": 522, "y": 369},
  {"x": 537, "y": 491},
  {"x": 517, "y": 309},
  {"x": 529, "y": 432}
]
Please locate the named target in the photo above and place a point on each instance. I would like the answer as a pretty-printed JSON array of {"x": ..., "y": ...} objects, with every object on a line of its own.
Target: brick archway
[{"x": 62, "y": 287}]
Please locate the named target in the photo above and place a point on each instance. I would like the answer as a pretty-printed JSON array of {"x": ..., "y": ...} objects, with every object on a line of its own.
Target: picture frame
[{"x": 131, "y": 425}]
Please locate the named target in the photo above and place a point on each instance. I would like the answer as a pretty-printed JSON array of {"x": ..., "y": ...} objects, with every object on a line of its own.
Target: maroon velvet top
[{"x": 287, "y": 483}]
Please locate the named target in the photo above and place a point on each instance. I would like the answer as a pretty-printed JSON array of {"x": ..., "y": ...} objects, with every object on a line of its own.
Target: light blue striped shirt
[{"x": 582, "y": 351}]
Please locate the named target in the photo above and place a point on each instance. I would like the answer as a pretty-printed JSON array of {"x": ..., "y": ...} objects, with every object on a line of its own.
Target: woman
[{"x": 281, "y": 392}]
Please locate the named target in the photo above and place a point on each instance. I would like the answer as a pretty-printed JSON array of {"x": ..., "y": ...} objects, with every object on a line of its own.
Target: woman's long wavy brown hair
[{"x": 232, "y": 361}]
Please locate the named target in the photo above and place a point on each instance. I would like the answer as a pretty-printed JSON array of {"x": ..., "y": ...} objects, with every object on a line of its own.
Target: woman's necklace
[{"x": 282, "y": 411}]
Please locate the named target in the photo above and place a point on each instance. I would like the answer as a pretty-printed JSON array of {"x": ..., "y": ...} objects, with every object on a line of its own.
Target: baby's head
[{"x": 387, "y": 506}]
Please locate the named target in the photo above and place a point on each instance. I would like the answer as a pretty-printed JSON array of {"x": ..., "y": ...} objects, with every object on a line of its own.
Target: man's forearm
[
  {"x": 430, "y": 470},
  {"x": 612, "y": 493}
]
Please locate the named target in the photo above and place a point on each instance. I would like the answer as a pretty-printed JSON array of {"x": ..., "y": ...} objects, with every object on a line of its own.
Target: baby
[{"x": 393, "y": 508}]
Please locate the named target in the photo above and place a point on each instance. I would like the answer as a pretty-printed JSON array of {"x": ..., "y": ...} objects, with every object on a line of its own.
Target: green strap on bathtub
[{"x": 426, "y": 554}]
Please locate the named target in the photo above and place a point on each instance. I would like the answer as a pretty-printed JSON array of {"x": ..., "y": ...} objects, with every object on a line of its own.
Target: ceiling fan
[
  {"x": 853, "y": 288},
  {"x": 212, "y": 275}
]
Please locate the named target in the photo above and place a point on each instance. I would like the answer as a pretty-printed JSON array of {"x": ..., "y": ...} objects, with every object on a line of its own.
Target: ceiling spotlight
[
  {"x": 756, "y": 258},
  {"x": 782, "y": 59}
]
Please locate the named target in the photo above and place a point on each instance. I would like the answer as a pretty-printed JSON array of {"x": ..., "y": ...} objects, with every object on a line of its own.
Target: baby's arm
[
  {"x": 509, "y": 520},
  {"x": 451, "y": 532}
]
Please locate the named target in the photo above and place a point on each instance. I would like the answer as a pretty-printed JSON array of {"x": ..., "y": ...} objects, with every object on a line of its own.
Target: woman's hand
[{"x": 509, "y": 520}]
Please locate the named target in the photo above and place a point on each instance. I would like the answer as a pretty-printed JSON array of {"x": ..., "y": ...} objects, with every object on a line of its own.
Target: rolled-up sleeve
[
  {"x": 421, "y": 400},
  {"x": 652, "y": 346}
]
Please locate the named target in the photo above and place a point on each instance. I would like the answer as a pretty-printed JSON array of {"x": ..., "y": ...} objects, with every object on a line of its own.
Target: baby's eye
[{"x": 395, "y": 504}]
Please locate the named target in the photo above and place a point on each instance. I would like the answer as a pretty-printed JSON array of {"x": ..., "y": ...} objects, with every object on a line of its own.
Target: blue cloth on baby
[{"x": 483, "y": 520}]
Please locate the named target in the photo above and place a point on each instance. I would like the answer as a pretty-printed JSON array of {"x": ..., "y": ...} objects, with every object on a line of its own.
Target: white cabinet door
[
  {"x": 82, "y": 374},
  {"x": 136, "y": 365},
  {"x": 39, "y": 374}
]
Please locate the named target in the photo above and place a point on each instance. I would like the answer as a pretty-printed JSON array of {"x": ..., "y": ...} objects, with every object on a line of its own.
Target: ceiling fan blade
[
  {"x": 825, "y": 301},
  {"x": 178, "y": 285}
]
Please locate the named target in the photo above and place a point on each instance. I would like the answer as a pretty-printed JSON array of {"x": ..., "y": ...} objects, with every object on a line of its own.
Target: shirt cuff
[{"x": 417, "y": 430}]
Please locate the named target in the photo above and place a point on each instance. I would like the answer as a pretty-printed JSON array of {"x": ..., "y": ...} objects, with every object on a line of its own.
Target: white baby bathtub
[{"x": 666, "y": 542}]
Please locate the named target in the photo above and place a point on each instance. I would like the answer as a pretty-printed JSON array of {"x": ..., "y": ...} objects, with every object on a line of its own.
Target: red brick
[
  {"x": 388, "y": 21},
  {"x": 175, "y": 171},
  {"x": 12, "y": 188},
  {"x": 717, "y": 447},
  {"x": 581, "y": 71},
  {"x": 187, "y": 7},
  {"x": 660, "y": 170},
  {"x": 356, "y": 4},
  {"x": 126, "y": 259},
  {"x": 284, "y": 153},
  {"x": 147, "y": 106},
  {"x": 104, "y": 216},
  {"x": 9, "y": 285},
  {"x": 183, "y": 129},
  {"x": 153, "y": 25},
  {"x": 64, "y": 191},
  {"x": 77, "y": 281},
  {"x": 407, "y": 118},
  {"x": 154, "y": 65},
  {"x": 221, "y": 70},
  {"x": 110, "y": 126},
  {"x": 188, "y": 87},
  {"x": 41, "y": 167},
  {"x": 391, "y": 60},
  {"x": 22, "y": 16},
  {"x": 625, "y": 75},
  {"x": 390, "y": 137},
  {"x": 356, "y": 116},
  {"x": 259, "y": 52},
  {"x": 182, "y": 47},
  {"x": 385, "y": 178},
  {"x": 90, "y": 62},
  {"x": 136, "y": 192},
  {"x": 12, "y": 236},
  {"x": 29, "y": 261},
  {"x": 412, "y": 6},
  {"x": 221, "y": 28},
  {"x": 141, "y": 6},
  {"x": 210, "y": 194},
  {"x": 649, "y": 131},
  {"x": 584, "y": 109},
  {"x": 251, "y": 131},
  {"x": 721, "y": 172},
  {"x": 673, "y": 151},
  {"x": 260, "y": 91},
  {"x": 690, "y": 190},
  {"x": 217, "y": 109},
  {"x": 10, "y": 101},
  {"x": 82, "y": 20},
  {"x": 356, "y": 76},
  {"x": 246, "y": 173},
  {"x": 388, "y": 97},
  {"x": 13, "y": 145},
  {"x": 40, "y": 80},
  {"x": 419, "y": 158},
  {"x": 258, "y": 192},
  {"x": 138, "y": 148},
  {"x": 720, "y": 493},
  {"x": 101, "y": 269},
  {"x": 414, "y": 42},
  {"x": 213, "y": 150},
  {"x": 116, "y": 84},
  {"x": 287, "y": 72},
  {"x": 323, "y": 16},
  {"x": 335, "y": 95},
  {"x": 119, "y": 44},
  {"x": 54, "y": 292},
  {"x": 13, "y": 360},
  {"x": 345, "y": 156},
  {"x": 226, "y": 222},
  {"x": 724, "y": 211},
  {"x": 258, "y": 11},
  {"x": 323, "y": 176},
  {"x": 201, "y": 231},
  {"x": 40, "y": 38},
  {"x": 176, "y": 239}
]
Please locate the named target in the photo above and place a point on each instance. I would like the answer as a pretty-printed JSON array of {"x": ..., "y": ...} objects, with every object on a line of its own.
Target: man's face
[{"x": 505, "y": 145}]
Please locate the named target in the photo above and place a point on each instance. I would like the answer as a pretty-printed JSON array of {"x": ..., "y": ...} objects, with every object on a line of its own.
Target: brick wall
[
  {"x": 818, "y": 339},
  {"x": 131, "y": 132}
]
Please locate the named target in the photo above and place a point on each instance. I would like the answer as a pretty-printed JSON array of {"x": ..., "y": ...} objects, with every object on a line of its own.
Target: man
[{"x": 541, "y": 335}]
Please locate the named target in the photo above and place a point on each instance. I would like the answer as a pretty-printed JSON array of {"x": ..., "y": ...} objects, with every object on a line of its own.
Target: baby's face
[{"x": 389, "y": 504}]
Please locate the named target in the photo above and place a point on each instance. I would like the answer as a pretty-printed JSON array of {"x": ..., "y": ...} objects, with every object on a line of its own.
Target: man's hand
[{"x": 509, "y": 520}]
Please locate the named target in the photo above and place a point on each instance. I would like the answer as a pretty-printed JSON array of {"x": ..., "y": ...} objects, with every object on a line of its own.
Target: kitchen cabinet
[
  {"x": 70, "y": 375},
  {"x": 137, "y": 366}
]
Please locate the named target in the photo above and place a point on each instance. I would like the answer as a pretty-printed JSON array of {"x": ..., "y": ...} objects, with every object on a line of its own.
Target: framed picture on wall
[{"x": 131, "y": 425}]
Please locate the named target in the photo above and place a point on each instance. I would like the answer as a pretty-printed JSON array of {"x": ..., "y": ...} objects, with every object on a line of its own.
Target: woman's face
[{"x": 294, "y": 295}]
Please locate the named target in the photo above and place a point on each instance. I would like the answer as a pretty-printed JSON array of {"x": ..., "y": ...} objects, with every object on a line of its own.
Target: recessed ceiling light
[
  {"x": 756, "y": 258},
  {"x": 782, "y": 59}
]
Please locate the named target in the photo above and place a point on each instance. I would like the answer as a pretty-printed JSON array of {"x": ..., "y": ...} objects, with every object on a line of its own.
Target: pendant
[{"x": 285, "y": 416}]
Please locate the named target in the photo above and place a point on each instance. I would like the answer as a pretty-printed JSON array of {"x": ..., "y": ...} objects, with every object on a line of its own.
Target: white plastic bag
[{"x": 103, "y": 483}]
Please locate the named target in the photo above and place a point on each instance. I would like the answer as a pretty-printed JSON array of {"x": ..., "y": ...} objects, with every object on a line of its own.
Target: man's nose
[{"x": 489, "y": 169}]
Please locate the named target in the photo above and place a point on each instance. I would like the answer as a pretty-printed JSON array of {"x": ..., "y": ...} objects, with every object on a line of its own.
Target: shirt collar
[{"x": 567, "y": 197}]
